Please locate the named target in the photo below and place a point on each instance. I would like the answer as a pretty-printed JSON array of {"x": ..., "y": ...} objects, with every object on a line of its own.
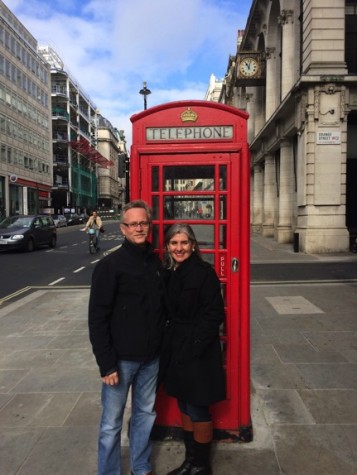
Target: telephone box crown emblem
[{"x": 189, "y": 115}]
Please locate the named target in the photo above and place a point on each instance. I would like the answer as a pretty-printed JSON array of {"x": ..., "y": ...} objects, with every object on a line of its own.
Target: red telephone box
[{"x": 190, "y": 162}]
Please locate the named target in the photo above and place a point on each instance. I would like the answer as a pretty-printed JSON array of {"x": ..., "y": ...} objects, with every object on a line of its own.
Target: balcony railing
[{"x": 56, "y": 112}]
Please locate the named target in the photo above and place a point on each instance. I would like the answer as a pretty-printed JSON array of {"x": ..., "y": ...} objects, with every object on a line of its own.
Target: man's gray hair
[{"x": 136, "y": 204}]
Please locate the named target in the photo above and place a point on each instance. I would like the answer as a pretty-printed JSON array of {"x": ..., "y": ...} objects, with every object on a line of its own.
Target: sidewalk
[{"x": 303, "y": 373}]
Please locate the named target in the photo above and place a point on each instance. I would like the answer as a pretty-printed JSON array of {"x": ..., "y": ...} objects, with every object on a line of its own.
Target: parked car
[
  {"x": 59, "y": 220},
  {"x": 27, "y": 232},
  {"x": 73, "y": 218}
]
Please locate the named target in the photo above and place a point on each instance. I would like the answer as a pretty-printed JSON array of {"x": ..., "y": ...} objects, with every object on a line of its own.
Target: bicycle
[{"x": 93, "y": 241}]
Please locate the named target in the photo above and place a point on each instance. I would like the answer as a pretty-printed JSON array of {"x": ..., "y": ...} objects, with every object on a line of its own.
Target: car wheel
[
  {"x": 53, "y": 242},
  {"x": 30, "y": 246}
]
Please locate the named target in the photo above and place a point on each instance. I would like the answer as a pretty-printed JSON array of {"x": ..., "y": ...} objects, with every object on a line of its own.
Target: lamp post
[{"x": 145, "y": 92}]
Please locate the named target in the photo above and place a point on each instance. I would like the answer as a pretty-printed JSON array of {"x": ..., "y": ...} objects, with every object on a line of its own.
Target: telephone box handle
[{"x": 235, "y": 264}]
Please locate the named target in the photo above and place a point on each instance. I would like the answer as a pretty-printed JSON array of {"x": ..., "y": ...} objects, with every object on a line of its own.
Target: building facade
[
  {"x": 25, "y": 121},
  {"x": 75, "y": 158},
  {"x": 295, "y": 72},
  {"x": 112, "y": 145}
]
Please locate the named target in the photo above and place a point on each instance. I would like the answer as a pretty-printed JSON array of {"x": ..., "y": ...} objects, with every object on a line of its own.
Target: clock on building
[{"x": 249, "y": 65}]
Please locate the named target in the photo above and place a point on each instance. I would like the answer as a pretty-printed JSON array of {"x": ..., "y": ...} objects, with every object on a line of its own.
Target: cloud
[{"x": 111, "y": 47}]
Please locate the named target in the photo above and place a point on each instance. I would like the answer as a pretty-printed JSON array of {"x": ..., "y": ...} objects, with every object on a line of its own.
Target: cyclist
[{"x": 94, "y": 222}]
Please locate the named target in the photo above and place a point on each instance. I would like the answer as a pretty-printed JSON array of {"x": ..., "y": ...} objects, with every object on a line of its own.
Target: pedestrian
[
  {"x": 126, "y": 321},
  {"x": 95, "y": 222},
  {"x": 192, "y": 360}
]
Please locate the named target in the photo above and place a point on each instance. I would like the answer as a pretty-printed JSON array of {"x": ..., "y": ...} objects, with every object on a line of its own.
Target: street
[
  {"x": 68, "y": 264},
  {"x": 71, "y": 265}
]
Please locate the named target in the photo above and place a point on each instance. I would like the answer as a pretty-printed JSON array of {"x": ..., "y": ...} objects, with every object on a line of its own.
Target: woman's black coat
[{"x": 192, "y": 353}]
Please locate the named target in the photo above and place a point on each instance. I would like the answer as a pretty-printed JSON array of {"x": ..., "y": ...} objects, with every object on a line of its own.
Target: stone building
[
  {"x": 295, "y": 72},
  {"x": 112, "y": 145}
]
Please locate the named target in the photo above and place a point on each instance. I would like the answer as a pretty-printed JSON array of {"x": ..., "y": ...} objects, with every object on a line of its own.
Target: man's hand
[{"x": 111, "y": 379}]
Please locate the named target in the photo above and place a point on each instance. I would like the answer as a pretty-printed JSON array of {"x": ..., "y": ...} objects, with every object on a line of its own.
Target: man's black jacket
[{"x": 126, "y": 315}]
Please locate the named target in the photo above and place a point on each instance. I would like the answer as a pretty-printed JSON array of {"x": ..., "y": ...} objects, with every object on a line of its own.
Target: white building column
[
  {"x": 269, "y": 196},
  {"x": 286, "y": 191},
  {"x": 271, "y": 83},
  {"x": 257, "y": 205},
  {"x": 250, "y": 108},
  {"x": 286, "y": 21}
]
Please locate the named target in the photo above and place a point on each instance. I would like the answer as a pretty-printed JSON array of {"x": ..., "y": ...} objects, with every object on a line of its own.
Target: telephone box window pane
[
  {"x": 224, "y": 296},
  {"x": 223, "y": 177},
  {"x": 208, "y": 258},
  {"x": 223, "y": 207},
  {"x": 205, "y": 235},
  {"x": 189, "y": 207},
  {"x": 223, "y": 236},
  {"x": 155, "y": 236},
  {"x": 155, "y": 207},
  {"x": 186, "y": 178},
  {"x": 155, "y": 178}
]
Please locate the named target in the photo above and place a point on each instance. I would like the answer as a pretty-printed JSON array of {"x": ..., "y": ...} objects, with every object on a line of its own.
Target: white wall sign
[{"x": 328, "y": 137}]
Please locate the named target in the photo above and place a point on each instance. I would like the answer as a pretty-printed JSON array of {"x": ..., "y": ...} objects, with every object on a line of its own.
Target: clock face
[{"x": 248, "y": 67}]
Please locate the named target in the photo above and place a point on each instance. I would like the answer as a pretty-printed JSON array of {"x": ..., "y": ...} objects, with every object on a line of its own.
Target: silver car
[{"x": 60, "y": 220}]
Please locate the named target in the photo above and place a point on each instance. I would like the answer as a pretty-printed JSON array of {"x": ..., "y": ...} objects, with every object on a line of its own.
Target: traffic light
[{"x": 121, "y": 165}]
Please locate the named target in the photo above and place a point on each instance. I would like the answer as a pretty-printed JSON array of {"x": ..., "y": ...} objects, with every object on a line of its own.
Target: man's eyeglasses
[{"x": 142, "y": 224}]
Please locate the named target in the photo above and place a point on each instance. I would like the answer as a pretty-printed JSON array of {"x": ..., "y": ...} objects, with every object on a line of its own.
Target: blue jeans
[
  {"x": 97, "y": 233},
  {"x": 142, "y": 378}
]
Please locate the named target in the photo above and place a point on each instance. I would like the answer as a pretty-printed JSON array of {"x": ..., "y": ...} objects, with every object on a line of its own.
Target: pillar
[
  {"x": 257, "y": 208},
  {"x": 269, "y": 196},
  {"x": 286, "y": 192}
]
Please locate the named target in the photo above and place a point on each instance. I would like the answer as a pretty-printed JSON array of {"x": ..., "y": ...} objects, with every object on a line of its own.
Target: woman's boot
[
  {"x": 203, "y": 434},
  {"x": 185, "y": 467}
]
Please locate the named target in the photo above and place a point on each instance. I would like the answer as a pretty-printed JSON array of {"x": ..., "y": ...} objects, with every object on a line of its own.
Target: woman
[
  {"x": 194, "y": 372},
  {"x": 96, "y": 223}
]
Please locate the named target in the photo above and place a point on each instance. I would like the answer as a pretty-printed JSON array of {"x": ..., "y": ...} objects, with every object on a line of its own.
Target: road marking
[
  {"x": 78, "y": 270},
  {"x": 11, "y": 296},
  {"x": 97, "y": 260},
  {"x": 56, "y": 281}
]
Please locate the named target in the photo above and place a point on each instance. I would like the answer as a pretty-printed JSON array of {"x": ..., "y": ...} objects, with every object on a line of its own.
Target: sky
[{"x": 111, "y": 47}]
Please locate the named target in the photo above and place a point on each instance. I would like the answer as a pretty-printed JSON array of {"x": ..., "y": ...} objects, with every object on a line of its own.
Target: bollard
[{"x": 296, "y": 242}]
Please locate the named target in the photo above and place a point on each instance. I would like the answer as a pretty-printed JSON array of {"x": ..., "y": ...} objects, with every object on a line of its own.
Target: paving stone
[
  {"x": 331, "y": 406},
  {"x": 63, "y": 451},
  {"x": 312, "y": 450},
  {"x": 329, "y": 376},
  {"x": 61, "y": 380},
  {"x": 284, "y": 406},
  {"x": 37, "y": 410},
  {"x": 276, "y": 376},
  {"x": 307, "y": 354},
  {"x": 15, "y": 446}
]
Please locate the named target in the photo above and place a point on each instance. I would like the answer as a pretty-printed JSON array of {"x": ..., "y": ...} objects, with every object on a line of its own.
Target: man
[{"x": 126, "y": 321}]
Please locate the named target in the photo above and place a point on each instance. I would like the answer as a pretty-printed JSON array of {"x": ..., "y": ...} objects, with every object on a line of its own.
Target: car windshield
[{"x": 16, "y": 222}]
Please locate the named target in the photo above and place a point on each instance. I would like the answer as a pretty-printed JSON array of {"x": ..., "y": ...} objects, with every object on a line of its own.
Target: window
[{"x": 351, "y": 36}]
